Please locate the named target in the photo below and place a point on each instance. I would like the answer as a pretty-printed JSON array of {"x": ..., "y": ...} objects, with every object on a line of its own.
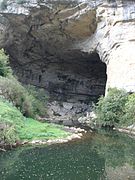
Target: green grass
[
  {"x": 26, "y": 128},
  {"x": 35, "y": 130},
  {"x": 10, "y": 114}
]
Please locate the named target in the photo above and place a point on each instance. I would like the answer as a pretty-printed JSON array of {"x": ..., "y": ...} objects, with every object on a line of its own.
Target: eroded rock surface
[
  {"x": 71, "y": 48},
  {"x": 42, "y": 40}
]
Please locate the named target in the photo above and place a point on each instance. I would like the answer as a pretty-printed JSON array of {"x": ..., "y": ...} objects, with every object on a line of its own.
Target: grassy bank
[
  {"x": 35, "y": 130},
  {"x": 14, "y": 126}
]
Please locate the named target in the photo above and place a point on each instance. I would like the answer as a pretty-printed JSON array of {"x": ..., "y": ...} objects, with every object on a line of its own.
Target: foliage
[
  {"x": 5, "y": 69},
  {"x": 110, "y": 110},
  {"x": 38, "y": 99},
  {"x": 130, "y": 109},
  {"x": 38, "y": 93},
  {"x": 13, "y": 91},
  {"x": 8, "y": 135},
  {"x": 28, "y": 104}
]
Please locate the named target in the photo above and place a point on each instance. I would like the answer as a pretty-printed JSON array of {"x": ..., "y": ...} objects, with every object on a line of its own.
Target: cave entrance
[
  {"x": 74, "y": 76},
  {"x": 78, "y": 77},
  {"x": 73, "y": 80}
]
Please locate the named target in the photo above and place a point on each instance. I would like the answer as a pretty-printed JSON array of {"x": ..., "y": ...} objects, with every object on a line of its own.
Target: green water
[{"x": 103, "y": 156}]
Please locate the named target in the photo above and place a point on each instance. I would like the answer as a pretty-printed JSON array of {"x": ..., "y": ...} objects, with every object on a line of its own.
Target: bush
[
  {"x": 9, "y": 134},
  {"x": 38, "y": 99},
  {"x": 110, "y": 110},
  {"x": 13, "y": 91},
  {"x": 38, "y": 93},
  {"x": 5, "y": 69},
  {"x": 130, "y": 109}
]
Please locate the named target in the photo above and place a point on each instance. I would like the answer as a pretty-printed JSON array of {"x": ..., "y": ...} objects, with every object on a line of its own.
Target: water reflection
[{"x": 96, "y": 157}]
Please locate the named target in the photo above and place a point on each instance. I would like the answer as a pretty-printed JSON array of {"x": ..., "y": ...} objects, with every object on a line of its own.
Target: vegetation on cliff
[
  {"x": 25, "y": 99},
  {"x": 18, "y": 107},
  {"x": 117, "y": 108}
]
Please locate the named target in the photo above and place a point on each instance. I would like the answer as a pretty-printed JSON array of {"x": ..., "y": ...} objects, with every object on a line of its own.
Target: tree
[
  {"x": 5, "y": 69},
  {"x": 110, "y": 110}
]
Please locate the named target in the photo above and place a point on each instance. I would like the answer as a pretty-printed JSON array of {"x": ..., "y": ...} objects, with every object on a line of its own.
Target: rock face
[
  {"x": 71, "y": 48},
  {"x": 42, "y": 43},
  {"x": 117, "y": 29}
]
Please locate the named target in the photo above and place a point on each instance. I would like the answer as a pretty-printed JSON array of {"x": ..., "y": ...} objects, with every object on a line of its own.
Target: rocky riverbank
[
  {"x": 76, "y": 133},
  {"x": 130, "y": 130}
]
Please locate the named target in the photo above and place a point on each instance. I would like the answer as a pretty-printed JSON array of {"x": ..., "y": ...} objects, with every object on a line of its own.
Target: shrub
[
  {"x": 130, "y": 110},
  {"x": 9, "y": 134},
  {"x": 25, "y": 101},
  {"x": 38, "y": 99},
  {"x": 13, "y": 91},
  {"x": 110, "y": 110},
  {"x": 5, "y": 69},
  {"x": 38, "y": 93}
]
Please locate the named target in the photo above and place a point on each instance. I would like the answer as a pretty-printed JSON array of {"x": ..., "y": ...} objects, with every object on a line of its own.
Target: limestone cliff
[{"x": 71, "y": 47}]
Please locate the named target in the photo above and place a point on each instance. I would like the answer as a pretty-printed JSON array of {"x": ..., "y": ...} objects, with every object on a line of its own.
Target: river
[{"x": 97, "y": 156}]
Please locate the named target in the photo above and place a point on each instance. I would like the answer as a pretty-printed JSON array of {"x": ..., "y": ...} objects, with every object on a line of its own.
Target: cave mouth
[
  {"x": 74, "y": 76},
  {"x": 80, "y": 79}
]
